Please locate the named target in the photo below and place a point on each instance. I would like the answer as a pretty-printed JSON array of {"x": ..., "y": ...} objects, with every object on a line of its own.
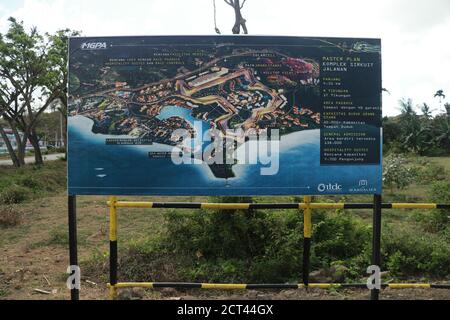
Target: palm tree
[
  {"x": 409, "y": 124},
  {"x": 440, "y": 94},
  {"x": 406, "y": 107},
  {"x": 426, "y": 111},
  {"x": 447, "y": 108}
]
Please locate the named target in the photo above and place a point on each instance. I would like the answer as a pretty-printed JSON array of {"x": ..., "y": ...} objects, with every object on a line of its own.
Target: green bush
[
  {"x": 435, "y": 220},
  {"x": 29, "y": 182},
  {"x": 20, "y": 184},
  {"x": 10, "y": 216},
  {"x": 432, "y": 221},
  {"x": 267, "y": 246},
  {"x": 220, "y": 234},
  {"x": 429, "y": 172},
  {"x": 397, "y": 172},
  {"x": 14, "y": 194},
  {"x": 60, "y": 150},
  {"x": 149, "y": 260},
  {"x": 58, "y": 237},
  {"x": 412, "y": 252},
  {"x": 261, "y": 246},
  {"x": 50, "y": 182},
  {"x": 437, "y": 152},
  {"x": 3, "y": 293},
  {"x": 338, "y": 237},
  {"x": 440, "y": 191}
]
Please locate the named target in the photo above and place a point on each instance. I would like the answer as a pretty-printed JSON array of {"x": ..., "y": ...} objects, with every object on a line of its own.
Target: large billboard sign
[{"x": 224, "y": 115}]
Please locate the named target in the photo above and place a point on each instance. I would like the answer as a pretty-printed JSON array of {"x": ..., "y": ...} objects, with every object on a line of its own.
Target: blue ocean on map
[{"x": 97, "y": 168}]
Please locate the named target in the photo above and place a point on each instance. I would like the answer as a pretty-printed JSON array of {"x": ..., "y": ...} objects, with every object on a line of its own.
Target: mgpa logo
[
  {"x": 330, "y": 187},
  {"x": 93, "y": 46}
]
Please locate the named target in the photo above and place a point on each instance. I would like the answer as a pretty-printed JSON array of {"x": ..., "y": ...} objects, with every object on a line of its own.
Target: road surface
[{"x": 30, "y": 160}]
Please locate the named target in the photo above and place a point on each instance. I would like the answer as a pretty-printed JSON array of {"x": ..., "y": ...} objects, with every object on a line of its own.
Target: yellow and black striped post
[
  {"x": 113, "y": 248},
  {"x": 307, "y": 231}
]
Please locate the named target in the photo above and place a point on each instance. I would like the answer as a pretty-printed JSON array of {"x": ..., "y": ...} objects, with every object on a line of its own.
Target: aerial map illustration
[{"x": 129, "y": 97}]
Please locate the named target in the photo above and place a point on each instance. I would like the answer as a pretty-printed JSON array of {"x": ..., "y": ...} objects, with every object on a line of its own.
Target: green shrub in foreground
[
  {"x": 14, "y": 194},
  {"x": 261, "y": 246},
  {"x": 440, "y": 191},
  {"x": 10, "y": 216},
  {"x": 412, "y": 252},
  {"x": 29, "y": 182},
  {"x": 267, "y": 246}
]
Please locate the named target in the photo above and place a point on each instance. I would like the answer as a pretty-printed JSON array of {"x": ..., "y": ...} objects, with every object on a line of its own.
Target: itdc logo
[{"x": 331, "y": 187}]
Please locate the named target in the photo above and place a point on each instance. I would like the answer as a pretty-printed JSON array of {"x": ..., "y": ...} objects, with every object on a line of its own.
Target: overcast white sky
[{"x": 415, "y": 33}]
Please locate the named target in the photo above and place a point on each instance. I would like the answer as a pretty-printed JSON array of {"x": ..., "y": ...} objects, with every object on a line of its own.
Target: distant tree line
[
  {"x": 33, "y": 78},
  {"x": 418, "y": 132}
]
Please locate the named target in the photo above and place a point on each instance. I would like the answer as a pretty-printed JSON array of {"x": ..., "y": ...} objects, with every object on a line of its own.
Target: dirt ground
[{"x": 34, "y": 255}]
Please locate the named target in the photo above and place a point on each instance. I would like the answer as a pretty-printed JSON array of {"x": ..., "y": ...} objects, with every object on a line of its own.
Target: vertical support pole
[
  {"x": 376, "y": 245},
  {"x": 307, "y": 231},
  {"x": 112, "y": 248},
  {"x": 73, "y": 250}
]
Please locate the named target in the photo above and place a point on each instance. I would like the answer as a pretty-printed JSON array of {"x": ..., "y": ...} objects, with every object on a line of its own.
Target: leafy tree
[
  {"x": 422, "y": 134},
  {"x": 391, "y": 135},
  {"x": 8, "y": 98},
  {"x": 396, "y": 172},
  {"x": 57, "y": 80},
  {"x": 426, "y": 111},
  {"x": 24, "y": 66},
  {"x": 447, "y": 108},
  {"x": 406, "y": 108},
  {"x": 410, "y": 125},
  {"x": 426, "y": 133},
  {"x": 35, "y": 67},
  {"x": 48, "y": 126},
  {"x": 440, "y": 127}
]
